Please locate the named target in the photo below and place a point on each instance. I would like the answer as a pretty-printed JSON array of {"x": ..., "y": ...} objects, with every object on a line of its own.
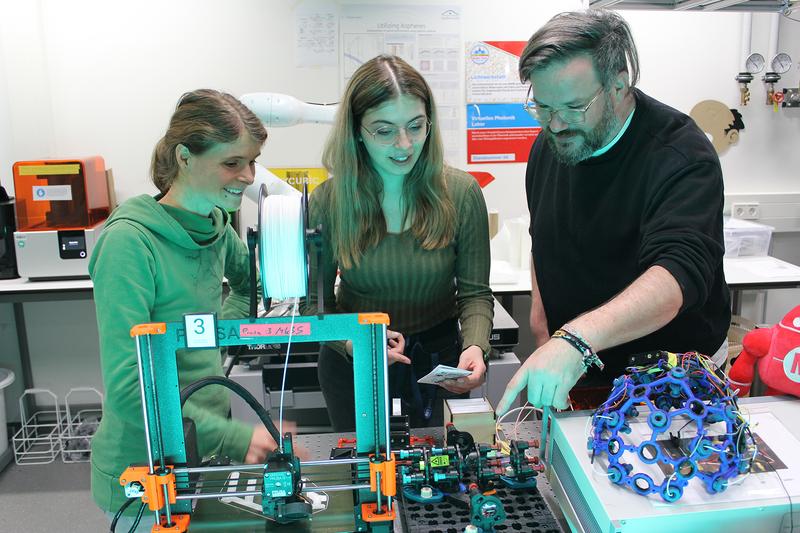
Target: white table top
[
  {"x": 26, "y": 285},
  {"x": 739, "y": 272},
  {"x": 760, "y": 270}
]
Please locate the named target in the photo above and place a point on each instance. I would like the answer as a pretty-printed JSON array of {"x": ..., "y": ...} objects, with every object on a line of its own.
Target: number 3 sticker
[{"x": 201, "y": 330}]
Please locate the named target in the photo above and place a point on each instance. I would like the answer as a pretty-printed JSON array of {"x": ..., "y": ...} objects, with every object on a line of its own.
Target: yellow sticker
[
  {"x": 296, "y": 177},
  {"x": 672, "y": 359},
  {"x": 49, "y": 170},
  {"x": 439, "y": 461}
]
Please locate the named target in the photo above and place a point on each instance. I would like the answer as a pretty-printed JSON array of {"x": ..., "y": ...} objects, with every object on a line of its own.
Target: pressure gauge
[
  {"x": 781, "y": 63},
  {"x": 754, "y": 63}
]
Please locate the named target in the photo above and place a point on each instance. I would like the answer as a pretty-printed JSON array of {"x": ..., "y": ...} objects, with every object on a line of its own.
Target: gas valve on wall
[
  {"x": 753, "y": 65},
  {"x": 774, "y": 66},
  {"x": 770, "y": 79},
  {"x": 780, "y": 64},
  {"x": 744, "y": 78}
]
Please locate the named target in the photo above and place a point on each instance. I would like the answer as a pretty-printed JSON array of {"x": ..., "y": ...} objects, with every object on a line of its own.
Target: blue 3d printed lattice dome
[{"x": 678, "y": 396}]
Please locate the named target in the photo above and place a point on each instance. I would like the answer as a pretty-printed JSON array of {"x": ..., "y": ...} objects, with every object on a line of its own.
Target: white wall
[
  {"x": 693, "y": 57},
  {"x": 5, "y": 133},
  {"x": 89, "y": 76},
  {"x": 97, "y": 77},
  {"x": 5, "y": 126}
]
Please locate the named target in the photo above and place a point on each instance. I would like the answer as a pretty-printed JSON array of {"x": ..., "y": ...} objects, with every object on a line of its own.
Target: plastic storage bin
[
  {"x": 6, "y": 379},
  {"x": 744, "y": 238}
]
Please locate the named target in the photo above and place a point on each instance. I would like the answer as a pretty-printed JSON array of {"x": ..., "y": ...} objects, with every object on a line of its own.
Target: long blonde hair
[{"x": 356, "y": 220}]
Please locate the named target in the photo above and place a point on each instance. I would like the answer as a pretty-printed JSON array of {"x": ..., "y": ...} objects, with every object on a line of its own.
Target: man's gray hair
[{"x": 602, "y": 35}]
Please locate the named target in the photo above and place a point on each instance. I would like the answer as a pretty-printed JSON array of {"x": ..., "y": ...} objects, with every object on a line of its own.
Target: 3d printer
[{"x": 61, "y": 208}]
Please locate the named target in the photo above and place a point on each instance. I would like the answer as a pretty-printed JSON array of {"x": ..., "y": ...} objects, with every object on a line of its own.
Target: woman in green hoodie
[{"x": 161, "y": 257}]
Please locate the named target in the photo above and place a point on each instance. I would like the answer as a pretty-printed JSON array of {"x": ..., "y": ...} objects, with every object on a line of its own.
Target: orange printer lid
[{"x": 56, "y": 194}]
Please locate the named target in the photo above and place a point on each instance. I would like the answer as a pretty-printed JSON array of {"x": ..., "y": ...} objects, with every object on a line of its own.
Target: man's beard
[{"x": 593, "y": 139}]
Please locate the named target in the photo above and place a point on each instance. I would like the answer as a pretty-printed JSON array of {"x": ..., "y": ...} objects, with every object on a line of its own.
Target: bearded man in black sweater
[{"x": 625, "y": 197}]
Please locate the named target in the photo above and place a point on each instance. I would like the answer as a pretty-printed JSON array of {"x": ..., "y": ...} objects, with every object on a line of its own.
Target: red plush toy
[{"x": 776, "y": 353}]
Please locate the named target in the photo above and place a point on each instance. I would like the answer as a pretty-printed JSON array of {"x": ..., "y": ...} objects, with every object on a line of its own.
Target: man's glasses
[
  {"x": 568, "y": 115},
  {"x": 416, "y": 130}
]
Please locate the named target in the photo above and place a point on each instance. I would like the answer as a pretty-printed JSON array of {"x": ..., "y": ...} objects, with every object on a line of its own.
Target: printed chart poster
[
  {"x": 499, "y": 130},
  {"x": 316, "y": 33},
  {"x": 428, "y": 37}
]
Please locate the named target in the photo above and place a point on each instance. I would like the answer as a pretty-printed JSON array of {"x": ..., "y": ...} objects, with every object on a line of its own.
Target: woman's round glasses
[{"x": 416, "y": 130}]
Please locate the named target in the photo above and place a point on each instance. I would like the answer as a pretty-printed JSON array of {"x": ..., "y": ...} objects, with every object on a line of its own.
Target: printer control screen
[{"x": 72, "y": 244}]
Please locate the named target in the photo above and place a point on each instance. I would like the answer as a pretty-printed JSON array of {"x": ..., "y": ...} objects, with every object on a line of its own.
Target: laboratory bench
[
  {"x": 574, "y": 493},
  {"x": 63, "y": 489},
  {"x": 742, "y": 274}
]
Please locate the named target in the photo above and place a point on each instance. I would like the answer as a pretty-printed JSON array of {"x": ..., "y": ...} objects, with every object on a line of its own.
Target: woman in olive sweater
[{"x": 408, "y": 236}]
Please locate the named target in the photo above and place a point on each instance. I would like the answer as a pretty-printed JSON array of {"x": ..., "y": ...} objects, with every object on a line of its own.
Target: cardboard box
[{"x": 473, "y": 415}]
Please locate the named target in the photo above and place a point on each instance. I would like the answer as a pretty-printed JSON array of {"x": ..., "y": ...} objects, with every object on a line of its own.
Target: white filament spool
[{"x": 281, "y": 247}]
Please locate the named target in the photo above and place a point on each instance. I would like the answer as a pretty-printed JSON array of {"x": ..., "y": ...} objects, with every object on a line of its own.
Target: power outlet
[{"x": 746, "y": 211}]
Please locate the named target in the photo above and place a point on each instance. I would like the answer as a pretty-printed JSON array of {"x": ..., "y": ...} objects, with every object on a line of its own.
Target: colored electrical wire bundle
[
  {"x": 504, "y": 442},
  {"x": 679, "y": 389}
]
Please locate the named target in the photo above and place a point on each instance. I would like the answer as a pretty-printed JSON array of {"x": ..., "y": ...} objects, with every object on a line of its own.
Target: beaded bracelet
[
  {"x": 569, "y": 329},
  {"x": 590, "y": 358}
]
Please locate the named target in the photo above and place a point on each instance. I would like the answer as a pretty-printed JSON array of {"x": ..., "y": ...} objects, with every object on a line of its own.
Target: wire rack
[
  {"x": 39, "y": 439},
  {"x": 57, "y": 430},
  {"x": 80, "y": 426}
]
